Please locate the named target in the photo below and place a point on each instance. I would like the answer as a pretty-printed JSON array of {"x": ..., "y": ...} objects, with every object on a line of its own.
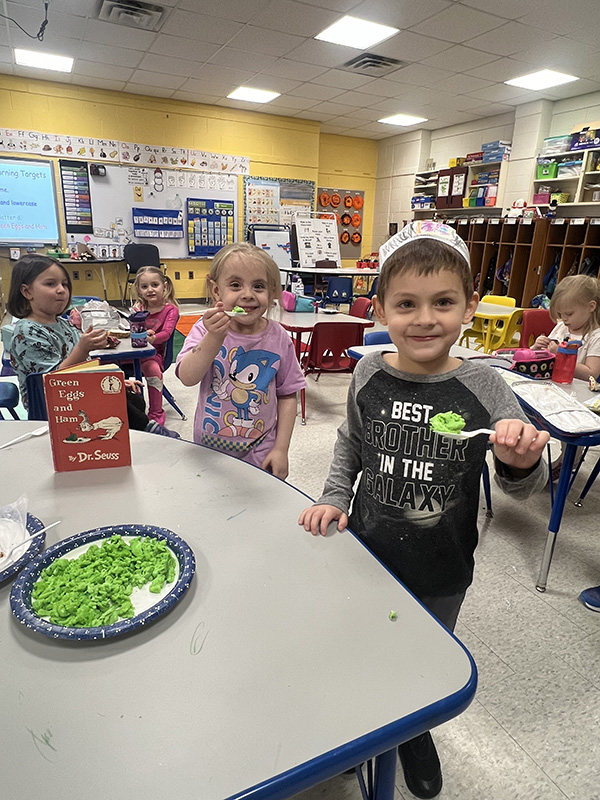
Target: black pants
[
  {"x": 136, "y": 411},
  {"x": 445, "y": 608}
]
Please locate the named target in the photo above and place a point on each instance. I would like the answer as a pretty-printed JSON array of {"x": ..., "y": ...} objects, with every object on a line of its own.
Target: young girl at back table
[
  {"x": 575, "y": 307},
  {"x": 43, "y": 341},
  {"x": 245, "y": 364},
  {"x": 156, "y": 294}
]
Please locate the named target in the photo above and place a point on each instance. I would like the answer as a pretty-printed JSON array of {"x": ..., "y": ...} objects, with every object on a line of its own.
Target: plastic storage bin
[
  {"x": 547, "y": 169},
  {"x": 569, "y": 169}
]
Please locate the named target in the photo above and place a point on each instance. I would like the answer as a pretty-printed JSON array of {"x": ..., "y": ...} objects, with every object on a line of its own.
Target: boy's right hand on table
[
  {"x": 216, "y": 321},
  {"x": 94, "y": 339},
  {"x": 316, "y": 519}
]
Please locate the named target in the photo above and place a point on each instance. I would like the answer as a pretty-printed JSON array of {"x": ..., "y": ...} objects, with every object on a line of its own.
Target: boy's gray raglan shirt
[{"x": 417, "y": 500}]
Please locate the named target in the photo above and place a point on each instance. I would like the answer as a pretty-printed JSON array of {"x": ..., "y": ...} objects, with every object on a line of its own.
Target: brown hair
[
  {"x": 167, "y": 283},
  {"x": 24, "y": 273},
  {"x": 425, "y": 257},
  {"x": 247, "y": 252},
  {"x": 579, "y": 289}
]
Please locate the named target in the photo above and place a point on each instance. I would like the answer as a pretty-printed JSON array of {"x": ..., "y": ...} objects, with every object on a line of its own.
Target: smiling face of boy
[{"x": 424, "y": 314}]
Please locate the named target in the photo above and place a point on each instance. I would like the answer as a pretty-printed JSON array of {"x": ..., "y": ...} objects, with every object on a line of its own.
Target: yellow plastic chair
[
  {"x": 505, "y": 332},
  {"x": 478, "y": 329}
]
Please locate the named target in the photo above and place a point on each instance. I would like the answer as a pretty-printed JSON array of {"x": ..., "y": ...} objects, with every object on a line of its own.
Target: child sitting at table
[
  {"x": 575, "y": 307},
  {"x": 156, "y": 294},
  {"x": 42, "y": 340},
  {"x": 245, "y": 364},
  {"x": 416, "y": 504}
]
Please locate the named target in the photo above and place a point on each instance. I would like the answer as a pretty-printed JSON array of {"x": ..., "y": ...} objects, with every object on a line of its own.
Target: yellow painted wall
[{"x": 278, "y": 147}]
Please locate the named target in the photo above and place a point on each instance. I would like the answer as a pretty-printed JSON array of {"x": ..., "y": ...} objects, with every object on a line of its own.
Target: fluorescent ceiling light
[
  {"x": 402, "y": 119},
  {"x": 543, "y": 79},
  {"x": 354, "y": 32},
  {"x": 30, "y": 58},
  {"x": 253, "y": 95}
]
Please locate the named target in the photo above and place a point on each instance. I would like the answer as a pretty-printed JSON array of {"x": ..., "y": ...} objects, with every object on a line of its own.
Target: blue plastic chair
[
  {"x": 167, "y": 361},
  {"x": 9, "y": 398},
  {"x": 339, "y": 290},
  {"x": 377, "y": 337},
  {"x": 36, "y": 400}
]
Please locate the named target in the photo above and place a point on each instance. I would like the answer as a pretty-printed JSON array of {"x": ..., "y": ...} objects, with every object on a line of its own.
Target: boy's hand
[
  {"x": 134, "y": 385},
  {"x": 518, "y": 443},
  {"x": 316, "y": 519},
  {"x": 216, "y": 321},
  {"x": 276, "y": 463},
  {"x": 94, "y": 339}
]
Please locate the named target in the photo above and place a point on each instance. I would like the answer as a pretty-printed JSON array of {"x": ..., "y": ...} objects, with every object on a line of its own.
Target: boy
[{"x": 416, "y": 503}]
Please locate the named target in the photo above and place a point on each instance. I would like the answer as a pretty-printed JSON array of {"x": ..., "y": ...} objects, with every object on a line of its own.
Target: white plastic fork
[
  {"x": 36, "y": 432},
  {"x": 6, "y": 557},
  {"x": 466, "y": 434}
]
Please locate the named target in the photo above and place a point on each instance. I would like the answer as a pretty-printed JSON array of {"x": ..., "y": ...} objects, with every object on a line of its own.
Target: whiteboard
[
  {"x": 27, "y": 203},
  {"x": 123, "y": 188}
]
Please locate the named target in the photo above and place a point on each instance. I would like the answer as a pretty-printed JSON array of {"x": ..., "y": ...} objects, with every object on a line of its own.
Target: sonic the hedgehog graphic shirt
[
  {"x": 237, "y": 398},
  {"x": 417, "y": 500}
]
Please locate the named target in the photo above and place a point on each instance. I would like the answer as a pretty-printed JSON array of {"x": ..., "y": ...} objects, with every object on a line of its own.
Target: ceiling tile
[
  {"x": 391, "y": 106},
  {"x": 283, "y": 15},
  {"x": 459, "y": 59},
  {"x": 461, "y": 84},
  {"x": 210, "y": 72},
  {"x": 347, "y": 121},
  {"x": 31, "y": 18},
  {"x": 583, "y": 86},
  {"x": 491, "y": 109},
  {"x": 458, "y": 23},
  {"x": 500, "y": 93},
  {"x": 562, "y": 17},
  {"x": 334, "y": 108},
  {"x": 196, "y": 97},
  {"x": 220, "y": 88},
  {"x": 316, "y": 92},
  {"x": 342, "y": 80},
  {"x": 400, "y": 14},
  {"x": 53, "y": 43},
  {"x": 380, "y": 87},
  {"x": 149, "y": 89},
  {"x": 117, "y": 35},
  {"x": 276, "y": 111},
  {"x": 201, "y": 27},
  {"x": 227, "y": 56},
  {"x": 6, "y": 55},
  {"x": 157, "y": 79},
  {"x": 323, "y": 53},
  {"x": 165, "y": 64},
  {"x": 409, "y": 46},
  {"x": 119, "y": 56},
  {"x": 177, "y": 47},
  {"x": 273, "y": 84},
  {"x": 359, "y": 99},
  {"x": 321, "y": 116},
  {"x": 30, "y": 72},
  {"x": 295, "y": 70},
  {"x": 511, "y": 9},
  {"x": 259, "y": 40},
  {"x": 511, "y": 38},
  {"x": 418, "y": 75},
  {"x": 237, "y": 10},
  {"x": 502, "y": 69},
  {"x": 95, "y": 69},
  {"x": 587, "y": 35},
  {"x": 242, "y": 105},
  {"x": 335, "y": 5},
  {"x": 563, "y": 54},
  {"x": 291, "y": 101},
  {"x": 99, "y": 83}
]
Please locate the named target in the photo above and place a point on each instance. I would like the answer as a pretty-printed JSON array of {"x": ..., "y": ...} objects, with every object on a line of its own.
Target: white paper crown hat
[{"x": 424, "y": 229}]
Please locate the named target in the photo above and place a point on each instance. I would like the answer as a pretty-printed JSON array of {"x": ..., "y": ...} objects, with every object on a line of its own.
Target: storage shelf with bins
[
  {"x": 427, "y": 189},
  {"x": 466, "y": 211},
  {"x": 575, "y": 185}
]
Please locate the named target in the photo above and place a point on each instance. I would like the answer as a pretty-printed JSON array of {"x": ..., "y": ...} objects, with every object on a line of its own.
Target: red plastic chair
[
  {"x": 327, "y": 351},
  {"x": 536, "y": 322},
  {"x": 360, "y": 308}
]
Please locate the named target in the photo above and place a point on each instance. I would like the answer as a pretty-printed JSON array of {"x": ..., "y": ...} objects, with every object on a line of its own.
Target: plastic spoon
[
  {"x": 465, "y": 434},
  {"x": 6, "y": 556},
  {"x": 36, "y": 432}
]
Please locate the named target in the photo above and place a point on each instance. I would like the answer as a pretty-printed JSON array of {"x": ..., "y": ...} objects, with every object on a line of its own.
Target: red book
[{"x": 87, "y": 417}]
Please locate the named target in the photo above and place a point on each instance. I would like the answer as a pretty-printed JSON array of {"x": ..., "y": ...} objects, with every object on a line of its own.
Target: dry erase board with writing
[
  {"x": 123, "y": 188},
  {"x": 27, "y": 202}
]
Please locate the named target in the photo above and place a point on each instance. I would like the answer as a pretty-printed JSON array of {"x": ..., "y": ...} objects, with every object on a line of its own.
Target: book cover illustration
[{"x": 87, "y": 417}]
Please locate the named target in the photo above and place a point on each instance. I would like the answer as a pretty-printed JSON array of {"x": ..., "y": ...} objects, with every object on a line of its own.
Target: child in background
[
  {"x": 245, "y": 364},
  {"x": 156, "y": 294},
  {"x": 43, "y": 341},
  {"x": 575, "y": 307},
  {"x": 417, "y": 500}
]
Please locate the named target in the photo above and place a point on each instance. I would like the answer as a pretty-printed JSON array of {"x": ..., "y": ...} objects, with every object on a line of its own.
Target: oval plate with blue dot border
[
  {"x": 148, "y": 606},
  {"x": 35, "y": 545}
]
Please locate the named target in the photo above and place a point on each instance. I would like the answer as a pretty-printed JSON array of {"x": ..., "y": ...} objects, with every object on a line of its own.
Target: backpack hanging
[{"x": 549, "y": 282}]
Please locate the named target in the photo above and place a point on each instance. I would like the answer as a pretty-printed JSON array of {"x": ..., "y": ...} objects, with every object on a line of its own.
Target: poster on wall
[
  {"x": 157, "y": 223},
  {"x": 348, "y": 207},
  {"x": 262, "y": 202},
  {"x": 317, "y": 240},
  {"x": 210, "y": 225},
  {"x": 276, "y": 201},
  {"x": 77, "y": 202}
]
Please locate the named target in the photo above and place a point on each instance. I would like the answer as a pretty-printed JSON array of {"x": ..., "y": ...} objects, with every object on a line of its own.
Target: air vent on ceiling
[
  {"x": 135, "y": 14},
  {"x": 373, "y": 65}
]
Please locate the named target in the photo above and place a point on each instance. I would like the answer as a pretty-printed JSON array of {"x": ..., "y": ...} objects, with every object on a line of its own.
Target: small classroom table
[
  {"x": 342, "y": 272},
  {"x": 278, "y": 669},
  {"x": 299, "y": 322},
  {"x": 491, "y": 313},
  {"x": 125, "y": 352}
]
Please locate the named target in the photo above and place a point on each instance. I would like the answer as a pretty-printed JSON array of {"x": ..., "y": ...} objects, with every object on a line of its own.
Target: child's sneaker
[
  {"x": 154, "y": 427},
  {"x": 591, "y": 598}
]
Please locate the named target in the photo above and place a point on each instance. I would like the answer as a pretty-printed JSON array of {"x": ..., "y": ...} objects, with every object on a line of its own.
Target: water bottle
[
  {"x": 297, "y": 285},
  {"x": 137, "y": 323},
  {"x": 566, "y": 361}
]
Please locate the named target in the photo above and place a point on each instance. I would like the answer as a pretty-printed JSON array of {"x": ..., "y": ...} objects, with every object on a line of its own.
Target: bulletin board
[
  {"x": 157, "y": 191},
  {"x": 275, "y": 201},
  {"x": 348, "y": 207}
]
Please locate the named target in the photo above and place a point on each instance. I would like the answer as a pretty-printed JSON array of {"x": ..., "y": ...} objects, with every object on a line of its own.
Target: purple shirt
[{"x": 237, "y": 398}]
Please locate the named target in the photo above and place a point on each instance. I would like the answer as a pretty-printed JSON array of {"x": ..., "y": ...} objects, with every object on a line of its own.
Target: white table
[
  {"x": 125, "y": 352},
  {"x": 279, "y": 668}
]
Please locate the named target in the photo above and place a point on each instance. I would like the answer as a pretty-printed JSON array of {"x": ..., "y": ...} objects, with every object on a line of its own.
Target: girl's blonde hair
[
  {"x": 169, "y": 294},
  {"x": 247, "y": 252},
  {"x": 580, "y": 290}
]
